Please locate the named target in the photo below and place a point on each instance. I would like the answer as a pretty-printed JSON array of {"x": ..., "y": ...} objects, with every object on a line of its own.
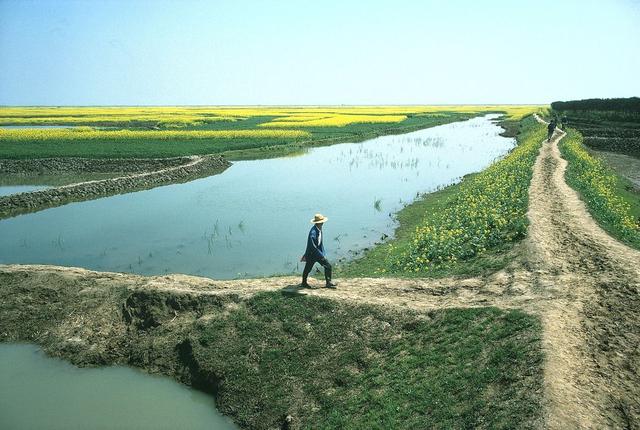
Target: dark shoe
[
  {"x": 331, "y": 284},
  {"x": 305, "y": 285}
]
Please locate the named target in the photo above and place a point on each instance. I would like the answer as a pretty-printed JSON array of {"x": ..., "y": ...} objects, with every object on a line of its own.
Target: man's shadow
[{"x": 294, "y": 290}]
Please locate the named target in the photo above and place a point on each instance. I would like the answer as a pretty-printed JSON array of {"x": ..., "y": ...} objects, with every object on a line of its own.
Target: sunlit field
[
  {"x": 193, "y": 116},
  {"x": 122, "y": 132}
]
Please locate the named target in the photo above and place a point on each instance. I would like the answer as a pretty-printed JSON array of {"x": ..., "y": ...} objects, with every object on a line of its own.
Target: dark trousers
[{"x": 323, "y": 262}]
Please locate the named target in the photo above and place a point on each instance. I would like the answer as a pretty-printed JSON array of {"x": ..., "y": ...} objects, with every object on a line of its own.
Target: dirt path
[
  {"x": 584, "y": 285},
  {"x": 591, "y": 330}
]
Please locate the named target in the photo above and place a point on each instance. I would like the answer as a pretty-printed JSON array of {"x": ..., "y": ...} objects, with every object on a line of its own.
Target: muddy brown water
[{"x": 39, "y": 392}]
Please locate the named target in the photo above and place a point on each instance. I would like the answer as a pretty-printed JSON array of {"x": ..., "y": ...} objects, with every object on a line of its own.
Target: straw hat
[{"x": 319, "y": 219}]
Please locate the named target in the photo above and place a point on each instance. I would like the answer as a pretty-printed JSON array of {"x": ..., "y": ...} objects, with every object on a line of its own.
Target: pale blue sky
[{"x": 136, "y": 52}]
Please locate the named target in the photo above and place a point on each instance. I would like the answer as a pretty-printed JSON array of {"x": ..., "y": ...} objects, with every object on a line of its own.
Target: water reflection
[
  {"x": 7, "y": 190},
  {"x": 252, "y": 220}
]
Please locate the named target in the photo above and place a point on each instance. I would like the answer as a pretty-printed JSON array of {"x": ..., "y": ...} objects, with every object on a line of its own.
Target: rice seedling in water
[
  {"x": 377, "y": 205},
  {"x": 58, "y": 243}
]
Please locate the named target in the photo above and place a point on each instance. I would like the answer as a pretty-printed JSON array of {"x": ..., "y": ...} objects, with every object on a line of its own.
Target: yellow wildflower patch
[
  {"x": 333, "y": 121},
  {"x": 597, "y": 185},
  {"x": 488, "y": 210},
  {"x": 87, "y": 133}
]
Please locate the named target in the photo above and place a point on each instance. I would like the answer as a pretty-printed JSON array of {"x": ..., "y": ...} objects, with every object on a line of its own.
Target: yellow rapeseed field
[
  {"x": 112, "y": 119},
  {"x": 333, "y": 120},
  {"x": 133, "y": 113},
  {"x": 489, "y": 210},
  {"x": 281, "y": 122},
  {"x": 88, "y": 133},
  {"x": 597, "y": 184}
]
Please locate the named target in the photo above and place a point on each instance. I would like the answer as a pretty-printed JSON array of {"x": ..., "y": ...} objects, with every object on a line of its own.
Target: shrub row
[{"x": 630, "y": 104}]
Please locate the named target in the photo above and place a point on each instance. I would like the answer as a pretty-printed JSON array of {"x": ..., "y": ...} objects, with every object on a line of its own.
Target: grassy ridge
[
  {"x": 480, "y": 217},
  {"x": 333, "y": 365},
  {"x": 601, "y": 189}
]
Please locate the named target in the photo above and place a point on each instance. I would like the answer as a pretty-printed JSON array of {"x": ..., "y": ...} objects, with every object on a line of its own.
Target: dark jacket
[{"x": 315, "y": 250}]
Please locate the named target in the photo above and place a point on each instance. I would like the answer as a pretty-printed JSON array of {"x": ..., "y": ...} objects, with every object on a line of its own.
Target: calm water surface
[
  {"x": 6, "y": 190},
  {"x": 38, "y": 392},
  {"x": 253, "y": 219}
]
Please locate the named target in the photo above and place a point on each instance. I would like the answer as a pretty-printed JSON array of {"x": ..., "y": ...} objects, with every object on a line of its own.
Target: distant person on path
[
  {"x": 551, "y": 128},
  {"x": 315, "y": 252}
]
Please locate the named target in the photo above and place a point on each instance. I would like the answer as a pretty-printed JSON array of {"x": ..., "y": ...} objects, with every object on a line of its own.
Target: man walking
[
  {"x": 315, "y": 252},
  {"x": 551, "y": 128}
]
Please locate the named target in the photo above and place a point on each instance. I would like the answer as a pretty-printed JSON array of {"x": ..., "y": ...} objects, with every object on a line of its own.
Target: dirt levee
[{"x": 192, "y": 168}]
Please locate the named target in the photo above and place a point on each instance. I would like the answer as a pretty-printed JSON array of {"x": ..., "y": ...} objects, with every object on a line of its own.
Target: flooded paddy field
[{"x": 252, "y": 220}]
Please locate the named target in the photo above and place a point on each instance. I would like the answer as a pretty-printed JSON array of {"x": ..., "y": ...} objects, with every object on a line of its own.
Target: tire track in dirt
[
  {"x": 583, "y": 284},
  {"x": 591, "y": 333}
]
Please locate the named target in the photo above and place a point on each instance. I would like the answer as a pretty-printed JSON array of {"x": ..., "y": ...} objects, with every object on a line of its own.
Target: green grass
[
  {"x": 630, "y": 194},
  {"x": 627, "y": 169},
  {"x": 466, "y": 229},
  {"x": 610, "y": 199},
  {"x": 333, "y": 365},
  {"x": 408, "y": 219},
  {"x": 130, "y": 149},
  {"x": 232, "y": 148},
  {"x": 54, "y": 180}
]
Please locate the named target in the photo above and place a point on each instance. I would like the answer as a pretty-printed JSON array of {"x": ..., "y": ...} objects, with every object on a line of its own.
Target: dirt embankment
[
  {"x": 155, "y": 172},
  {"x": 584, "y": 286},
  {"x": 108, "y": 318},
  {"x": 69, "y": 165}
]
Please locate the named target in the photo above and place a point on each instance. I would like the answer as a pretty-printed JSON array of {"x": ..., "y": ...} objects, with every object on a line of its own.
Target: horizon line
[{"x": 277, "y": 105}]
